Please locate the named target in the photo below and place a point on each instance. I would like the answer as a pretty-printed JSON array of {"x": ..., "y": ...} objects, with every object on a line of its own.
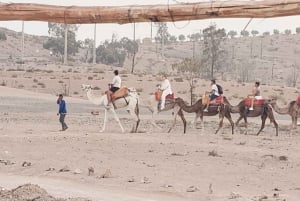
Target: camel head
[
  {"x": 86, "y": 87},
  {"x": 272, "y": 99}
]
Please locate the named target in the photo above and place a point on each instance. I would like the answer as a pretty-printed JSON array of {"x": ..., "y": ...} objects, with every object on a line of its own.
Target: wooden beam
[{"x": 148, "y": 13}]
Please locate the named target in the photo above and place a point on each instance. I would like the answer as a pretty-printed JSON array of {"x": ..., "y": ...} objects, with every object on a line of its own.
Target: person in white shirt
[
  {"x": 255, "y": 94},
  {"x": 165, "y": 87},
  {"x": 114, "y": 85},
  {"x": 214, "y": 93}
]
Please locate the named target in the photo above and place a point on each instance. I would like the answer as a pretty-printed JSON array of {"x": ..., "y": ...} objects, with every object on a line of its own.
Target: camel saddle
[
  {"x": 298, "y": 101},
  {"x": 256, "y": 102},
  {"x": 122, "y": 92},
  {"x": 217, "y": 100},
  {"x": 158, "y": 94}
]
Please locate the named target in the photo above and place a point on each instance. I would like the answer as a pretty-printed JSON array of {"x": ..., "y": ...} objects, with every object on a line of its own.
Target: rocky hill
[{"x": 273, "y": 59}]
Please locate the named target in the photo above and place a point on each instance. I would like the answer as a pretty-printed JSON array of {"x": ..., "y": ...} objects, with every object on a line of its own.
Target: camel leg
[
  {"x": 237, "y": 122},
  {"x": 175, "y": 117},
  {"x": 221, "y": 116},
  {"x": 272, "y": 118},
  {"x": 263, "y": 121},
  {"x": 294, "y": 120},
  {"x": 180, "y": 113},
  {"x": 104, "y": 121},
  {"x": 135, "y": 117},
  {"x": 154, "y": 113},
  {"x": 117, "y": 119},
  {"x": 228, "y": 116},
  {"x": 202, "y": 122},
  {"x": 246, "y": 124}
]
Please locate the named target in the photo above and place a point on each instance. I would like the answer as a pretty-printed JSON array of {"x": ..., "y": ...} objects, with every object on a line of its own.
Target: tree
[
  {"x": 254, "y": 33},
  {"x": 162, "y": 35},
  {"x": 275, "y": 31},
  {"x": 190, "y": 69},
  {"x": 88, "y": 45},
  {"x": 114, "y": 52},
  {"x": 212, "y": 53},
  {"x": 173, "y": 39},
  {"x": 2, "y": 36},
  {"x": 292, "y": 78},
  {"x": 298, "y": 30},
  {"x": 57, "y": 37},
  {"x": 232, "y": 33},
  {"x": 266, "y": 33},
  {"x": 130, "y": 46},
  {"x": 245, "y": 33},
  {"x": 181, "y": 38},
  {"x": 287, "y": 32},
  {"x": 194, "y": 37}
]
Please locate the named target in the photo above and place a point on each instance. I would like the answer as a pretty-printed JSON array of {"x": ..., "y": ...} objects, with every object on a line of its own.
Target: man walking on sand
[{"x": 62, "y": 112}]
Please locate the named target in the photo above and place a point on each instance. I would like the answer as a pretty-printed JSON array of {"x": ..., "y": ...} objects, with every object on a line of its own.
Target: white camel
[{"x": 129, "y": 102}]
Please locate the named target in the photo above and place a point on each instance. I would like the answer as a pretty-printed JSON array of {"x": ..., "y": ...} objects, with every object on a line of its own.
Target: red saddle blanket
[
  {"x": 217, "y": 100},
  {"x": 256, "y": 102},
  {"x": 170, "y": 96},
  {"x": 298, "y": 101}
]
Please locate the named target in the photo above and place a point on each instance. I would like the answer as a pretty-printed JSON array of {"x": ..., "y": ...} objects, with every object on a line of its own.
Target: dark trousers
[{"x": 62, "y": 121}]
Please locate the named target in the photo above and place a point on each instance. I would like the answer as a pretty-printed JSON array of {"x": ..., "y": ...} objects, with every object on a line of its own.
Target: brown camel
[
  {"x": 292, "y": 109},
  {"x": 222, "y": 109},
  {"x": 264, "y": 111},
  {"x": 152, "y": 105}
]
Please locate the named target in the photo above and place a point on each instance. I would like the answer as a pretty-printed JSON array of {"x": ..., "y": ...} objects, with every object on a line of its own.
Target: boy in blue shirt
[{"x": 62, "y": 111}]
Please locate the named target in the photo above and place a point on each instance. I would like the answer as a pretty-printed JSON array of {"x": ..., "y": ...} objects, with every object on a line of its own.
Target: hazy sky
[{"x": 105, "y": 31}]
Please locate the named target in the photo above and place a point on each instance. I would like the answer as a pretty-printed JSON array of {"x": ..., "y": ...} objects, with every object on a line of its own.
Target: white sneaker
[
  {"x": 161, "y": 108},
  {"x": 205, "y": 110},
  {"x": 251, "y": 108}
]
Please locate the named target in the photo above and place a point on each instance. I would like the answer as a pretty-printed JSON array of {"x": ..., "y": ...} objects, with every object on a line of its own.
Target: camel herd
[{"x": 178, "y": 105}]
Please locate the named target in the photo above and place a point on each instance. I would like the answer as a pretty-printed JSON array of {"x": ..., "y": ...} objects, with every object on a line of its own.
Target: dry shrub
[
  {"x": 139, "y": 90},
  {"x": 42, "y": 85},
  {"x": 214, "y": 153},
  {"x": 283, "y": 158},
  {"x": 90, "y": 78},
  {"x": 179, "y": 79}
]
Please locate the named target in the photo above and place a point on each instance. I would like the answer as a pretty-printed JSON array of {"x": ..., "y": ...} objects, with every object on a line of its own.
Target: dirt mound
[{"x": 31, "y": 192}]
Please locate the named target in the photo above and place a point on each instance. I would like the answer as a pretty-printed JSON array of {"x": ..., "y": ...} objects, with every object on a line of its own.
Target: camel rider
[
  {"x": 255, "y": 94},
  {"x": 114, "y": 86},
  {"x": 213, "y": 94},
  {"x": 165, "y": 87}
]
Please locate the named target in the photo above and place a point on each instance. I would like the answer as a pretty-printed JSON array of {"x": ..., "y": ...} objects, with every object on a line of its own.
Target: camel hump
[{"x": 122, "y": 92}]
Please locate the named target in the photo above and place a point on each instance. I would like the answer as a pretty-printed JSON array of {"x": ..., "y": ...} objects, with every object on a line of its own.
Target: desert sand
[{"x": 149, "y": 165}]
